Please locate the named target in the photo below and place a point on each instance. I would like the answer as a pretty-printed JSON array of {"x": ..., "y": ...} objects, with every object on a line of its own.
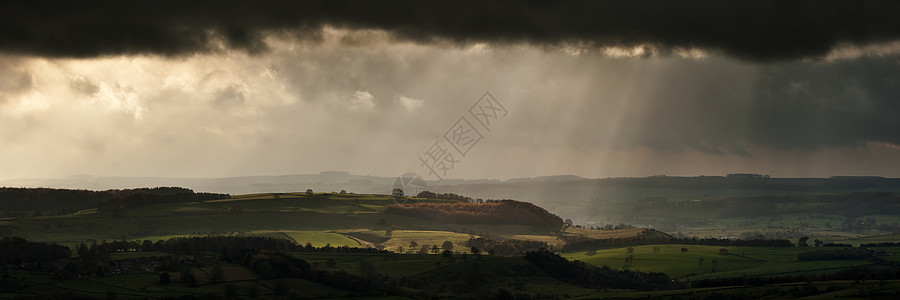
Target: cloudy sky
[{"x": 596, "y": 88}]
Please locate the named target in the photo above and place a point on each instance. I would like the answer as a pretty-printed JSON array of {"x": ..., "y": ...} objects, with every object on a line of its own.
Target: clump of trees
[
  {"x": 123, "y": 199},
  {"x": 837, "y": 254},
  {"x": 867, "y": 245},
  {"x": 649, "y": 237},
  {"x": 500, "y": 212},
  {"x": 505, "y": 247},
  {"x": 270, "y": 264},
  {"x": 231, "y": 247},
  {"x": 16, "y": 250},
  {"x": 46, "y": 198},
  {"x": 66, "y": 200},
  {"x": 444, "y": 196}
]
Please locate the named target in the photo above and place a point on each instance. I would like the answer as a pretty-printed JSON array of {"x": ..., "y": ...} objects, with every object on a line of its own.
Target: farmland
[
  {"x": 320, "y": 219},
  {"x": 701, "y": 262},
  {"x": 326, "y": 221}
]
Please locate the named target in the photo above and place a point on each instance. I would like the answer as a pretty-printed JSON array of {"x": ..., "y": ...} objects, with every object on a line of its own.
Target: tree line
[
  {"x": 25, "y": 199},
  {"x": 16, "y": 250},
  {"x": 837, "y": 254},
  {"x": 444, "y": 196},
  {"x": 505, "y": 247},
  {"x": 200, "y": 244},
  {"x": 48, "y": 199},
  {"x": 124, "y": 199},
  {"x": 578, "y": 243},
  {"x": 95, "y": 258},
  {"x": 856, "y": 274}
]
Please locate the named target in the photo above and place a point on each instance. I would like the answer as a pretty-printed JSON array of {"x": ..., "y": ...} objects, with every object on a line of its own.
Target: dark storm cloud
[
  {"x": 721, "y": 107},
  {"x": 752, "y": 30},
  {"x": 841, "y": 104}
]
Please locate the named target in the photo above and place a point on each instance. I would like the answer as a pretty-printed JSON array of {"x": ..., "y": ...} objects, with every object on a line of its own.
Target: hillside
[
  {"x": 327, "y": 245},
  {"x": 319, "y": 218}
]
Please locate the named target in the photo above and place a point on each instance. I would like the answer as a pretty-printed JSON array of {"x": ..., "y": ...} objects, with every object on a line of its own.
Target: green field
[
  {"x": 314, "y": 219},
  {"x": 740, "y": 261},
  {"x": 338, "y": 219},
  {"x": 402, "y": 238},
  {"x": 316, "y": 238},
  {"x": 440, "y": 276},
  {"x": 359, "y": 221}
]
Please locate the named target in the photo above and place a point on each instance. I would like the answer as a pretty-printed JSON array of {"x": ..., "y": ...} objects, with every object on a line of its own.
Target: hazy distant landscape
[
  {"x": 709, "y": 232},
  {"x": 703, "y": 206}
]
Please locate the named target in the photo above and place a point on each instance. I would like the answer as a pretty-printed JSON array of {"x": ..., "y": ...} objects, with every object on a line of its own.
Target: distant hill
[
  {"x": 337, "y": 180},
  {"x": 553, "y": 178},
  {"x": 570, "y": 196},
  {"x": 68, "y": 201}
]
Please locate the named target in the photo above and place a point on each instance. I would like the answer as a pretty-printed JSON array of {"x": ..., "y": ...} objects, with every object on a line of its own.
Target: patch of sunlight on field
[
  {"x": 86, "y": 211},
  {"x": 605, "y": 234},
  {"x": 366, "y": 237},
  {"x": 154, "y": 238},
  {"x": 373, "y": 206},
  {"x": 316, "y": 238},
  {"x": 402, "y": 238},
  {"x": 550, "y": 240}
]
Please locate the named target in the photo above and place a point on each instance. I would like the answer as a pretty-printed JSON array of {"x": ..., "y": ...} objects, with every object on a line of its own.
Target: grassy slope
[
  {"x": 336, "y": 219},
  {"x": 331, "y": 218},
  {"x": 741, "y": 261}
]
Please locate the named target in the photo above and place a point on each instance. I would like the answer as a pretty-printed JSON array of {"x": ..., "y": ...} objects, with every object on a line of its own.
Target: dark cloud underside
[
  {"x": 751, "y": 30},
  {"x": 796, "y": 105}
]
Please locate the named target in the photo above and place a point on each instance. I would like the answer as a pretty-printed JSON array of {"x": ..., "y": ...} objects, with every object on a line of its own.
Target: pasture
[
  {"x": 316, "y": 238},
  {"x": 403, "y": 238},
  {"x": 700, "y": 262},
  {"x": 322, "y": 218},
  {"x": 359, "y": 221}
]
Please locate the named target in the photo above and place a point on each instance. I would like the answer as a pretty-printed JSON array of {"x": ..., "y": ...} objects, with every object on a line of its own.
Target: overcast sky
[{"x": 597, "y": 88}]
